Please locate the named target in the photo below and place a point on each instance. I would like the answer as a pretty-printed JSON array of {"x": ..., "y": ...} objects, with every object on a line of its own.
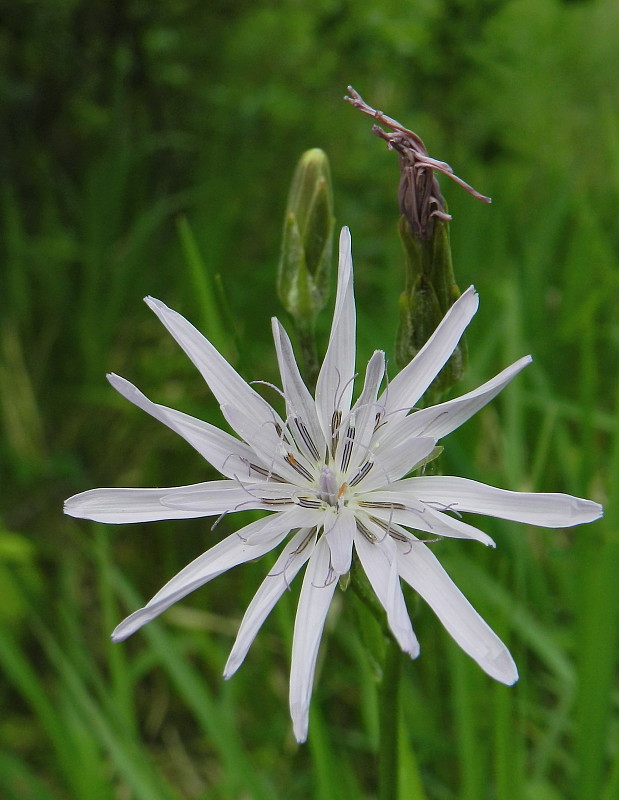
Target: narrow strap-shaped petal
[
  {"x": 222, "y": 379},
  {"x": 422, "y": 570},
  {"x": 300, "y": 405},
  {"x": 340, "y": 527},
  {"x": 549, "y": 510},
  {"x": 227, "y": 454},
  {"x": 319, "y": 584},
  {"x": 362, "y": 419},
  {"x": 380, "y": 563},
  {"x": 391, "y": 463},
  {"x": 409, "y": 384},
  {"x": 292, "y": 558},
  {"x": 441, "y": 419},
  {"x": 123, "y": 506},
  {"x": 335, "y": 380},
  {"x": 223, "y": 556},
  {"x": 266, "y": 495},
  {"x": 390, "y": 507},
  {"x": 120, "y": 506}
]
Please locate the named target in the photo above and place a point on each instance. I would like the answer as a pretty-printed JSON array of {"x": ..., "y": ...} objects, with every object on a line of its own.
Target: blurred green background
[{"x": 130, "y": 127}]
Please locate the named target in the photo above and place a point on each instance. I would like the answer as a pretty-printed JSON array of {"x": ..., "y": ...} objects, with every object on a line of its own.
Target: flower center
[{"x": 328, "y": 490}]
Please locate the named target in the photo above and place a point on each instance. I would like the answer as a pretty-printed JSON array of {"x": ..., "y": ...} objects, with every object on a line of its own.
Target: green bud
[
  {"x": 430, "y": 292},
  {"x": 304, "y": 267}
]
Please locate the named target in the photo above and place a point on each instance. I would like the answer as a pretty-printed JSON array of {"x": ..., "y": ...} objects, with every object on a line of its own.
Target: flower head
[{"x": 333, "y": 475}]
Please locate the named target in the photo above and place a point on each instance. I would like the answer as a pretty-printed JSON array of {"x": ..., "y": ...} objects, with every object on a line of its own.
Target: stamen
[
  {"x": 392, "y": 506},
  {"x": 271, "y": 386},
  {"x": 340, "y": 393},
  {"x": 400, "y": 535},
  {"x": 365, "y": 531},
  {"x": 290, "y": 458},
  {"x": 361, "y": 474},
  {"x": 434, "y": 504},
  {"x": 310, "y": 535},
  {"x": 342, "y": 490},
  {"x": 407, "y": 409},
  {"x": 219, "y": 519},
  {"x": 330, "y": 578},
  {"x": 280, "y": 433},
  {"x": 305, "y": 435},
  {"x": 336, "y": 419},
  {"x": 307, "y": 502},
  {"x": 348, "y": 445},
  {"x": 265, "y": 472},
  {"x": 401, "y": 538},
  {"x": 389, "y": 529},
  {"x": 302, "y": 545}
]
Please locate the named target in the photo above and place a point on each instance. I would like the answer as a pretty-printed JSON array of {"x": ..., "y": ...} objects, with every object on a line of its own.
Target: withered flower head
[{"x": 419, "y": 195}]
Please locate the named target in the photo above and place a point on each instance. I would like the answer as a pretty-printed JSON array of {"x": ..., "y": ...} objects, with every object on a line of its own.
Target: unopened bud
[{"x": 304, "y": 267}]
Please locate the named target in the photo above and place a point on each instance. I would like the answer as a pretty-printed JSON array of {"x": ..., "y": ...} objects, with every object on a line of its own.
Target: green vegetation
[{"x": 147, "y": 148}]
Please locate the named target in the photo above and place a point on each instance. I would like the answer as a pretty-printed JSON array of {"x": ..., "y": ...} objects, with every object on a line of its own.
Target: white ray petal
[
  {"x": 227, "y": 454},
  {"x": 120, "y": 506},
  {"x": 223, "y": 556},
  {"x": 290, "y": 561},
  {"x": 549, "y": 510},
  {"x": 391, "y": 463},
  {"x": 299, "y": 402},
  {"x": 392, "y": 507},
  {"x": 441, "y": 419},
  {"x": 335, "y": 380},
  {"x": 419, "y": 567},
  {"x": 340, "y": 529},
  {"x": 363, "y": 414},
  {"x": 316, "y": 593},
  {"x": 222, "y": 379},
  {"x": 380, "y": 562},
  {"x": 409, "y": 384}
]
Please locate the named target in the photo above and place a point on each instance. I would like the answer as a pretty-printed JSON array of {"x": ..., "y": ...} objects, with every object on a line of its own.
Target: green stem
[{"x": 389, "y": 724}]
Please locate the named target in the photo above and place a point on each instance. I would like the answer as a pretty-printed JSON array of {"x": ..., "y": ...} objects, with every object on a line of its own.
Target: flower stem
[
  {"x": 389, "y": 724},
  {"x": 388, "y": 712}
]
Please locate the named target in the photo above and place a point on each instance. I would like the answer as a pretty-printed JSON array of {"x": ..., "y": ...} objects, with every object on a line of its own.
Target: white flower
[{"x": 332, "y": 473}]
